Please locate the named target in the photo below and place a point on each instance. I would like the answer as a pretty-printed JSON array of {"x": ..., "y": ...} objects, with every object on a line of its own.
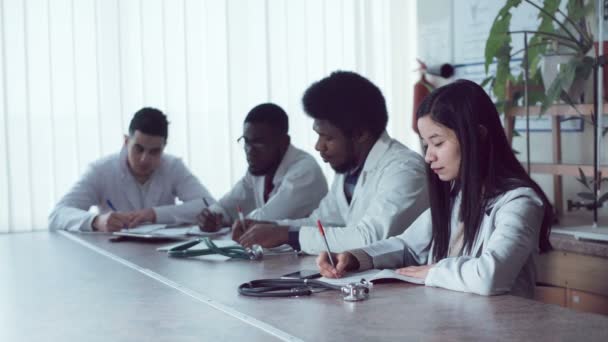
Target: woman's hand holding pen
[{"x": 344, "y": 262}]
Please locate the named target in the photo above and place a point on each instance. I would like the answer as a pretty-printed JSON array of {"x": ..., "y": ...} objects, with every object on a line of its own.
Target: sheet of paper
[
  {"x": 145, "y": 229},
  {"x": 282, "y": 249},
  {"x": 351, "y": 277},
  {"x": 195, "y": 231},
  {"x": 163, "y": 230},
  {"x": 371, "y": 275}
]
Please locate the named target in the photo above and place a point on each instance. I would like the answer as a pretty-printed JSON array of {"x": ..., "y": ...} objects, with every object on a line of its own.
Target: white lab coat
[
  {"x": 503, "y": 257},
  {"x": 299, "y": 186},
  {"x": 389, "y": 195},
  {"x": 110, "y": 179}
]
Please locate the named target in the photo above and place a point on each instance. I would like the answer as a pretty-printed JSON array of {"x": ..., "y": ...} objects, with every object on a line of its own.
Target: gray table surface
[
  {"x": 90, "y": 281},
  {"x": 53, "y": 289}
]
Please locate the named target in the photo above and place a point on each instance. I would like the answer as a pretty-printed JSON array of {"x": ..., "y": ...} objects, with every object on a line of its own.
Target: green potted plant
[
  {"x": 557, "y": 32},
  {"x": 588, "y": 198}
]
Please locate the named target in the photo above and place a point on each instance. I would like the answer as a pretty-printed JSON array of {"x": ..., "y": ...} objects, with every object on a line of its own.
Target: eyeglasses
[{"x": 256, "y": 145}]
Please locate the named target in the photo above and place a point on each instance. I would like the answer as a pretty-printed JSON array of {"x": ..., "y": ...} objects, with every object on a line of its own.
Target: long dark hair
[{"x": 488, "y": 167}]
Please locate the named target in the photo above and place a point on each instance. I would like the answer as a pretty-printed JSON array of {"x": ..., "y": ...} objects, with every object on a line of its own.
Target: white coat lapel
[
  {"x": 155, "y": 190},
  {"x": 130, "y": 190},
  {"x": 258, "y": 190},
  {"x": 485, "y": 231},
  {"x": 369, "y": 167},
  {"x": 359, "y": 188},
  {"x": 343, "y": 205}
]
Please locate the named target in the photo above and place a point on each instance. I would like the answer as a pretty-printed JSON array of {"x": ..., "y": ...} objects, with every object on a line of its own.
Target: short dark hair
[
  {"x": 348, "y": 101},
  {"x": 270, "y": 114},
  {"x": 150, "y": 121}
]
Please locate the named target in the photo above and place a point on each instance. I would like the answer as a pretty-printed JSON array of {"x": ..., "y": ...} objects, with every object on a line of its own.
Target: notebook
[{"x": 371, "y": 275}]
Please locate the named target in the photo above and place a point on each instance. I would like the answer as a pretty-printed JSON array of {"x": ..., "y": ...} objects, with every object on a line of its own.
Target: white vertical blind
[{"x": 73, "y": 72}]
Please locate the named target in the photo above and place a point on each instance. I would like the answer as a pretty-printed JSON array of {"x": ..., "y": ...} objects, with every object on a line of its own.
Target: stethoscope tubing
[
  {"x": 284, "y": 287},
  {"x": 182, "y": 251}
]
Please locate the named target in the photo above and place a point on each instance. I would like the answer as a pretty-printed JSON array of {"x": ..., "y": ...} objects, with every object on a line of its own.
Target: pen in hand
[
  {"x": 113, "y": 208},
  {"x": 109, "y": 203},
  {"x": 206, "y": 203},
  {"x": 322, "y": 231}
]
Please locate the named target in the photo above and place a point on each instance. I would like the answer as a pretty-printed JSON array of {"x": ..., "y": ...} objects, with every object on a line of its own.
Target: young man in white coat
[
  {"x": 379, "y": 188},
  {"x": 281, "y": 181},
  {"x": 137, "y": 185}
]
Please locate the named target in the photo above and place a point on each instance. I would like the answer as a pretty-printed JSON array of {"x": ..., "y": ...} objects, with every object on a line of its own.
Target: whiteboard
[{"x": 473, "y": 20}]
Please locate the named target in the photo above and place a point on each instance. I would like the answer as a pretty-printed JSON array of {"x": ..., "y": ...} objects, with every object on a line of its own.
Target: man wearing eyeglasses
[{"x": 281, "y": 181}]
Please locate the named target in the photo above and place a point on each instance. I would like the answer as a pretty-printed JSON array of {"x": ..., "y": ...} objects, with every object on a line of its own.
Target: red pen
[
  {"x": 241, "y": 216},
  {"x": 322, "y": 231}
]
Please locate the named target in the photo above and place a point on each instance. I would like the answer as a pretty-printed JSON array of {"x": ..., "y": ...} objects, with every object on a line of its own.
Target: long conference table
[{"x": 61, "y": 286}]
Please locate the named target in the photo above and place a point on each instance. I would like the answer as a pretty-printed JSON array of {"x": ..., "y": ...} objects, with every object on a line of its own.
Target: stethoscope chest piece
[
  {"x": 256, "y": 252},
  {"x": 355, "y": 292}
]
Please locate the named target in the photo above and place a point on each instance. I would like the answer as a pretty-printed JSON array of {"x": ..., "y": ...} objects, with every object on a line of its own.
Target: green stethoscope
[{"x": 237, "y": 252}]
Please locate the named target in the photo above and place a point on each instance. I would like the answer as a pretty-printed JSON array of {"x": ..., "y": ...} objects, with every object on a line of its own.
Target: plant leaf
[
  {"x": 586, "y": 195},
  {"x": 536, "y": 92},
  {"x": 584, "y": 69},
  {"x": 602, "y": 199},
  {"x": 503, "y": 73},
  {"x": 499, "y": 39},
  {"x": 564, "y": 78},
  {"x": 487, "y": 80},
  {"x": 577, "y": 12},
  {"x": 566, "y": 98},
  {"x": 582, "y": 178},
  {"x": 538, "y": 44}
]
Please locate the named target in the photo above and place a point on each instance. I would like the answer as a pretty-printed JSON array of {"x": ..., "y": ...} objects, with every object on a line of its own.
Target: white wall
[{"x": 73, "y": 72}]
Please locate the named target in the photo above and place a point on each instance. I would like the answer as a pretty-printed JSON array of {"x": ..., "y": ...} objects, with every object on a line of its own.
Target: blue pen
[
  {"x": 205, "y": 201},
  {"x": 110, "y": 205}
]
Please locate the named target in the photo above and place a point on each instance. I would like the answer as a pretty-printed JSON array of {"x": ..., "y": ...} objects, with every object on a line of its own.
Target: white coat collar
[
  {"x": 375, "y": 154},
  {"x": 288, "y": 158},
  {"x": 371, "y": 164}
]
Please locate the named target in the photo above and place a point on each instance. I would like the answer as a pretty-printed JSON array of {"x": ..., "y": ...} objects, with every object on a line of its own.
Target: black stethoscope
[{"x": 352, "y": 292}]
